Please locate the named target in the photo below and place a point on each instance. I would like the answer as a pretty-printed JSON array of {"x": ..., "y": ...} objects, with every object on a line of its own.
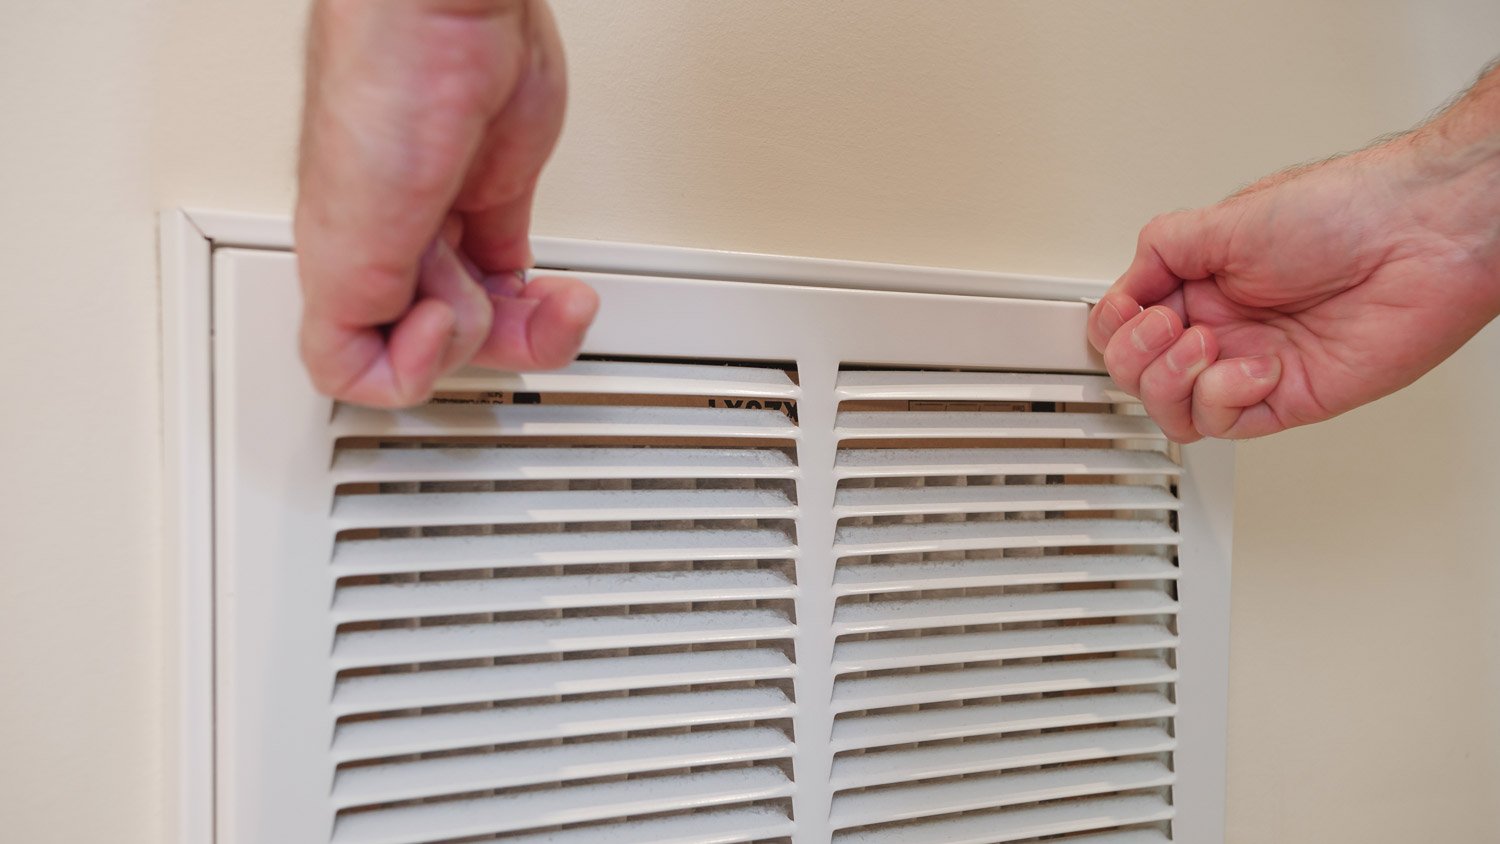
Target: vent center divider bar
[{"x": 817, "y": 449}]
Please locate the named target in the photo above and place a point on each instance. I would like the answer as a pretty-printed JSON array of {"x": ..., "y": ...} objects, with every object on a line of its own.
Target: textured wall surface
[{"x": 1027, "y": 136}]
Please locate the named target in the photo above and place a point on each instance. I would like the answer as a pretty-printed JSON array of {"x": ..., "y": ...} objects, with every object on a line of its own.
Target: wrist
[
  {"x": 1459, "y": 199},
  {"x": 1454, "y": 150},
  {"x": 1454, "y": 177},
  {"x": 1462, "y": 143}
]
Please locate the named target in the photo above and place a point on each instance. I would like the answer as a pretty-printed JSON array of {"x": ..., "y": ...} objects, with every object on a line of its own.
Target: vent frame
[{"x": 1038, "y": 335}]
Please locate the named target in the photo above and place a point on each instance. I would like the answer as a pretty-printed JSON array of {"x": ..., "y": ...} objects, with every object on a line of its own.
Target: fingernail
[
  {"x": 1111, "y": 317},
  {"x": 1114, "y": 318},
  {"x": 504, "y": 285},
  {"x": 1186, "y": 355},
  {"x": 1260, "y": 367},
  {"x": 1153, "y": 332}
]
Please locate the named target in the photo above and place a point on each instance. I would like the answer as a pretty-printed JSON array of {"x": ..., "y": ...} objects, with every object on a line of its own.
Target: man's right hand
[
  {"x": 1317, "y": 290},
  {"x": 425, "y": 127}
]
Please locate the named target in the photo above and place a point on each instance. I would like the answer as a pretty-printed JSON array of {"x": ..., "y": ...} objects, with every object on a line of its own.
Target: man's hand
[
  {"x": 425, "y": 127},
  {"x": 1313, "y": 291}
]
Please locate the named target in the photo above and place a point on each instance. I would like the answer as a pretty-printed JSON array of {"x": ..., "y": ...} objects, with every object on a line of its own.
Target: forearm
[
  {"x": 1456, "y": 158},
  {"x": 1468, "y": 130}
]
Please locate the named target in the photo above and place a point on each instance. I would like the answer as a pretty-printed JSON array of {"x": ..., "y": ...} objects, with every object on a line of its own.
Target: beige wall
[{"x": 1016, "y": 136}]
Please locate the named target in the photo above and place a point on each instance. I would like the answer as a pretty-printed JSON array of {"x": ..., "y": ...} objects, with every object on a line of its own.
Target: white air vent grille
[
  {"x": 1005, "y": 603},
  {"x": 565, "y": 608},
  {"x": 774, "y": 564}
]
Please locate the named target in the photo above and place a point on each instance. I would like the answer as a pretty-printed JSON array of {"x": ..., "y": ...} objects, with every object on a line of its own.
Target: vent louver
[
  {"x": 1005, "y": 611},
  {"x": 774, "y": 564},
  {"x": 565, "y": 608}
]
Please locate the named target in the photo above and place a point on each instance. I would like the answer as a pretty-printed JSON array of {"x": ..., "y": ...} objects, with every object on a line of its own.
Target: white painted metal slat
[
  {"x": 865, "y": 578},
  {"x": 467, "y": 463},
  {"x": 386, "y": 692},
  {"x": 468, "y": 508},
  {"x": 979, "y": 386},
  {"x": 519, "y": 594},
  {"x": 1001, "y": 826},
  {"x": 935, "y": 686},
  {"x": 573, "y": 804},
  {"x": 560, "y": 420},
  {"x": 908, "y": 462},
  {"x": 875, "y": 424},
  {"x": 996, "y": 498},
  {"x": 982, "y": 719},
  {"x": 411, "y": 645},
  {"x": 857, "y": 540},
  {"x": 455, "y": 553},
  {"x": 657, "y": 379},
  {"x": 388, "y": 783},
  {"x": 1061, "y": 605},
  {"x": 384, "y": 737},
  {"x": 900, "y": 803},
  {"x": 726, "y": 826},
  {"x": 1025, "y": 643},
  {"x": 1001, "y": 754},
  {"x": 987, "y": 801}
]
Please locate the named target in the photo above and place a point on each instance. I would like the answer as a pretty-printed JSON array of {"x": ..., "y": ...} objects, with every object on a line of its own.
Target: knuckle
[
  {"x": 338, "y": 389},
  {"x": 371, "y": 294},
  {"x": 318, "y": 369},
  {"x": 1151, "y": 230},
  {"x": 1171, "y": 415},
  {"x": 322, "y": 383},
  {"x": 1153, "y": 389},
  {"x": 1164, "y": 417},
  {"x": 1116, "y": 360},
  {"x": 1156, "y": 228},
  {"x": 1208, "y": 423},
  {"x": 327, "y": 382},
  {"x": 1186, "y": 436},
  {"x": 1160, "y": 383}
]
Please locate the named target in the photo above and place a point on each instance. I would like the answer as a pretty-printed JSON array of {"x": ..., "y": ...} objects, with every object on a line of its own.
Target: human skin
[
  {"x": 1316, "y": 290},
  {"x": 427, "y": 122},
  {"x": 425, "y": 126}
]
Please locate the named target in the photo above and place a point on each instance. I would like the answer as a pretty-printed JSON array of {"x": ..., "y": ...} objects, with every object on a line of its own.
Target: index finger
[{"x": 1171, "y": 250}]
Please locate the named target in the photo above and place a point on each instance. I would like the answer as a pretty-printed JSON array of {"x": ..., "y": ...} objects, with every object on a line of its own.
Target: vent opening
[
  {"x": 1005, "y": 610},
  {"x": 564, "y": 607}
]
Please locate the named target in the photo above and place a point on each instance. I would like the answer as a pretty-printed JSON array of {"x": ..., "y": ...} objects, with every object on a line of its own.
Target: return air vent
[
  {"x": 773, "y": 564},
  {"x": 1004, "y": 617},
  {"x": 564, "y": 604}
]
